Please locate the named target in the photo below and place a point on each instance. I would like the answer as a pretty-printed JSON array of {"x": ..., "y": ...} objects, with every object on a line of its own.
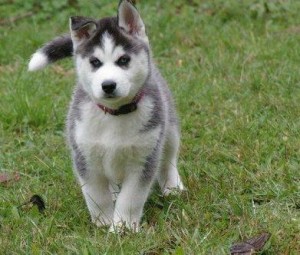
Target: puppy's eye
[
  {"x": 123, "y": 61},
  {"x": 95, "y": 62}
]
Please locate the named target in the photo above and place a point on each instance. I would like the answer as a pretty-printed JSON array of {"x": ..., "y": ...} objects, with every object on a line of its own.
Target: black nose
[{"x": 109, "y": 86}]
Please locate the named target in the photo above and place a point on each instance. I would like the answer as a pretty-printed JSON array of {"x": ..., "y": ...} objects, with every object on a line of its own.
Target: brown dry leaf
[
  {"x": 9, "y": 68},
  {"x": 62, "y": 71},
  {"x": 293, "y": 30},
  {"x": 251, "y": 245},
  {"x": 6, "y": 177}
]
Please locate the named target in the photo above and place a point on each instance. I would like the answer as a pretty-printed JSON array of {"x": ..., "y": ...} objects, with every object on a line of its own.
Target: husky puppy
[{"x": 122, "y": 127}]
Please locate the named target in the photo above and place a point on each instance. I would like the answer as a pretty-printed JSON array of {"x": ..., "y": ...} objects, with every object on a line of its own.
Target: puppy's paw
[
  {"x": 122, "y": 228},
  {"x": 173, "y": 191},
  {"x": 100, "y": 222}
]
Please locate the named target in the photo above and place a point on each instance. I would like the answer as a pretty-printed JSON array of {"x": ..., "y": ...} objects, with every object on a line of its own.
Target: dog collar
[{"x": 124, "y": 109}]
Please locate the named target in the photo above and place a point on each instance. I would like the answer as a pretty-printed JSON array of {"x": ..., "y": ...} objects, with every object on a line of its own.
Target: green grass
[{"x": 233, "y": 67}]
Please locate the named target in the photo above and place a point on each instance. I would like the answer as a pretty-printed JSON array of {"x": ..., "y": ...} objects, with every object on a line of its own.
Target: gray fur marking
[
  {"x": 152, "y": 161},
  {"x": 156, "y": 114},
  {"x": 79, "y": 161},
  {"x": 110, "y": 26},
  {"x": 74, "y": 115}
]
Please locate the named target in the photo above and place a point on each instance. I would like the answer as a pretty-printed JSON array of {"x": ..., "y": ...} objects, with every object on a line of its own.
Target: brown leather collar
[{"x": 124, "y": 109}]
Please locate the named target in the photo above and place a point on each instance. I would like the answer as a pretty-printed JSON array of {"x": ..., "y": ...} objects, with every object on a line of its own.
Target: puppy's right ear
[{"x": 81, "y": 29}]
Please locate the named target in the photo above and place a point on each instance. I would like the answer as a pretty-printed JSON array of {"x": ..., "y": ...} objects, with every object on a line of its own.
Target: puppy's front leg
[
  {"x": 98, "y": 199},
  {"x": 130, "y": 202}
]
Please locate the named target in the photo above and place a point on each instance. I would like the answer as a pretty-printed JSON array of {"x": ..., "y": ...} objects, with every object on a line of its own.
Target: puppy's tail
[{"x": 59, "y": 48}]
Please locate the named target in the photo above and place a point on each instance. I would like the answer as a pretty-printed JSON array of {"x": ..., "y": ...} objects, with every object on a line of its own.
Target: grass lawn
[{"x": 234, "y": 69}]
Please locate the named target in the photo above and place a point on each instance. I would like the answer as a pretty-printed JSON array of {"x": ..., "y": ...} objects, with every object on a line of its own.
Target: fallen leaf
[
  {"x": 62, "y": 71},
  {"x": 6, "y": 177},
  {"x": 39, "y": 202},
  {"x": 36, "y": 200},
  {"x": 251, "y": 245}
]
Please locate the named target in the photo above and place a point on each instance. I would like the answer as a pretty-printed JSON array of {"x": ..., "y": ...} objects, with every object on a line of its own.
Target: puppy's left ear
[{"x": 130, "y": 20}]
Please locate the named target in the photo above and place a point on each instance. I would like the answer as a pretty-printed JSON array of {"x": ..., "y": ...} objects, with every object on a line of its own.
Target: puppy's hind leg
[{"x": 168, "y": 176}]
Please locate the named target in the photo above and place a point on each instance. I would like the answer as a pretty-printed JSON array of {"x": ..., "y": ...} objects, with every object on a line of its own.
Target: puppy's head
[{"x": 111, "y": 55}]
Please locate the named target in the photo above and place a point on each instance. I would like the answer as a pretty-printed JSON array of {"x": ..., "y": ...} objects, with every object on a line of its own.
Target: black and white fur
[{"x": 128, "y": 151}]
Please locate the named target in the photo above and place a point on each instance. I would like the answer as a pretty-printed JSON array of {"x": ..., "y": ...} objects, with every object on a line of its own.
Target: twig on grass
[{"x": 16, "y": 18}]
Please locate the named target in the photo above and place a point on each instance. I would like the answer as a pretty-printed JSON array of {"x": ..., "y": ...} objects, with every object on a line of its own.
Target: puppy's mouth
[{"x": 111, "y": 96}]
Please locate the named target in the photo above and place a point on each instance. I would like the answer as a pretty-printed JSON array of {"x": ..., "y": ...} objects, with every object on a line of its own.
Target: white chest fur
[{"x": 114, "y": 145}]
